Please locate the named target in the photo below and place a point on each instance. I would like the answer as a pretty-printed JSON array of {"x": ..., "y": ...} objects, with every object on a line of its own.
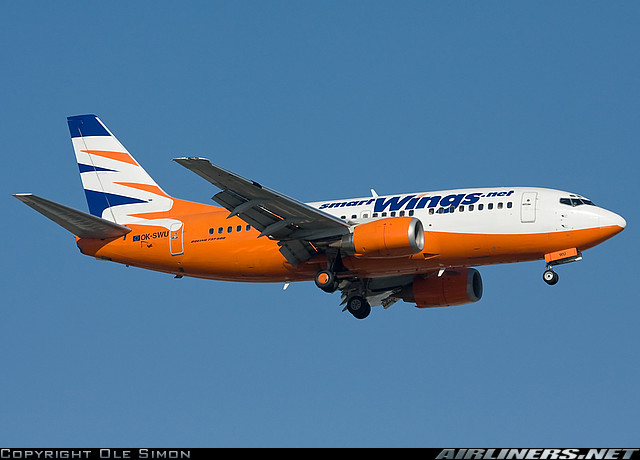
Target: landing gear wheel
[
  {"x": 358, "y": 307},
  {"x": 326, "y": 281},
  {"x": 550, "y": 277}
]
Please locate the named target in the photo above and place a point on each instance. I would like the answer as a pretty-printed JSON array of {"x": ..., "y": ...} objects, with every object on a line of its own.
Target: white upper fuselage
[{"x": 496, "y": 210}]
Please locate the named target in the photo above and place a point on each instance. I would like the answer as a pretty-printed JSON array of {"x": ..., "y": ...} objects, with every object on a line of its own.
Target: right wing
[{"x": 293, "y": 223}]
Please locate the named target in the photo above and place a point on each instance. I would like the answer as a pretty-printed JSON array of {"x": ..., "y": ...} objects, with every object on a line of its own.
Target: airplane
[{"x": 376, "y": 250}]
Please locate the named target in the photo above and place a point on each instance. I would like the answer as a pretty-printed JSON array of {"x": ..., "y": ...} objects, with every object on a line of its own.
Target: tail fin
[{"x": 117, "y": 188}]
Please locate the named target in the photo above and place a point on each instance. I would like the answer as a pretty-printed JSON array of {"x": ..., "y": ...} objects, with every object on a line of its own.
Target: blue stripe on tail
[
  {"x": 86, "y": 125},
  {"x": 99, "y": 201},
  {"x": 90, "y": 168}
]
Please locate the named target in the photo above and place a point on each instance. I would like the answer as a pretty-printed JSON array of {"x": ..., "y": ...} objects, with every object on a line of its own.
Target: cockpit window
[{"x": 576, "y": 201}]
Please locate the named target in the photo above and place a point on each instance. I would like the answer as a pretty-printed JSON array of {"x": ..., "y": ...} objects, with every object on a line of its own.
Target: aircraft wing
[{"x": 293, "y": 223}]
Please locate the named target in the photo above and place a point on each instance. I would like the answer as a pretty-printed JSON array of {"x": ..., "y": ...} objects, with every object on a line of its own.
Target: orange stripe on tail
[
  {"x": 146, "y": 187},
  {"x": 118, "y": 156}
]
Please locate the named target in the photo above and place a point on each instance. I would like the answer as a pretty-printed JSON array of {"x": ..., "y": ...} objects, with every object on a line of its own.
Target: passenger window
[
  {"x": 499, "y": 205},
  {"x": 401, "y": 213},
  {"x": 509, "y": 204},
  {"x": 229, "y": 229},
  {"x": 480, "y": 207},
  {"x": 384, "y": 214},
  {"x": 490, "y": 206},
  {"x": 239, "y": 228},
  {"x": 219, "y": 230},
  {"x": 461, "y": 208},
  {"x": 248, "y": 227},
  {"x": 393, "y": 214},
  {"x": 375, "y": 214},
  {"x": 365, "y": 215},
  {"x": 471, "y": 207},
  {"x": 411, "y": 212},
  {"x": 353, "y": 216},
  {"x": 431, "y": 210},
  {"x": 211, "y": 231}
]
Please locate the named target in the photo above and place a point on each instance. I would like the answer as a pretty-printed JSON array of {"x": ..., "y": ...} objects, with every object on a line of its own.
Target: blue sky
[{"x": 320, "y": 100}]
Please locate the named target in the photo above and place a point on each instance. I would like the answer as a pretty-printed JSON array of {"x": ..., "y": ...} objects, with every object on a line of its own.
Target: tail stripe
[
  {"x": 86, "y": 125},
  {"x": 146, "y": 187},
  {"x": 117, "y": 156},
  {"x": 99, "y": 201},
  {"x": 90, "y": 168}
]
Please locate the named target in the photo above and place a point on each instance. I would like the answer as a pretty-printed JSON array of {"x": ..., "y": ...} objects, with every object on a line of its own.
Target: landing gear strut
[{"x": 326, "y": 279}]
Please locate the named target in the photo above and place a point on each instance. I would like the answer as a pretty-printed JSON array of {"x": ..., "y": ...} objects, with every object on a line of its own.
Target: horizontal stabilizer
[{"x": 77, "y": 222}]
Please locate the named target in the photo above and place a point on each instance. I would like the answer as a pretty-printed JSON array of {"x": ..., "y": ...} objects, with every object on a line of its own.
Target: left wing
[{"x": 277, "y": 216}]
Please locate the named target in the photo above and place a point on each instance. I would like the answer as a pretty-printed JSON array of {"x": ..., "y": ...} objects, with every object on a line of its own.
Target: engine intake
[
  {"x": 390, "y": 237},
  {"x": 454, "y": 287}
]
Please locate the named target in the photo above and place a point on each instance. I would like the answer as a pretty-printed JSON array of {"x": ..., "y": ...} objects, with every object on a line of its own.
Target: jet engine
[
  {"x": 456, "y": 286},
  {"x": 390, "y": 237}
]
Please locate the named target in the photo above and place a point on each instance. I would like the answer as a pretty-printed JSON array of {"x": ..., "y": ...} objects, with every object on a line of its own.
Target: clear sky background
[{"x": 320, "y": 100}]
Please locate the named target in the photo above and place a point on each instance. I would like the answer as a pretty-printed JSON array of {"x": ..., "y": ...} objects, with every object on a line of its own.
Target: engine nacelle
[
  {"x": 390, "y": 237},
  {"x": 456, "y": 286}
]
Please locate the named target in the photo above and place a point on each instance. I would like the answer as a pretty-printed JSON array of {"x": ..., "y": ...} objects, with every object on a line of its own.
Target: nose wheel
[{"x": 550, "y": 277}]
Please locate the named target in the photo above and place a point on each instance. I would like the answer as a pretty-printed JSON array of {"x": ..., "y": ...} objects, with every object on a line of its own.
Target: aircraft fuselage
[{"x": 467, "y": 227}]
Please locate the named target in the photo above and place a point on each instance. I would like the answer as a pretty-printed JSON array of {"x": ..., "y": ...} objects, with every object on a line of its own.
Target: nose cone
[{"x": 612, "y": 221}]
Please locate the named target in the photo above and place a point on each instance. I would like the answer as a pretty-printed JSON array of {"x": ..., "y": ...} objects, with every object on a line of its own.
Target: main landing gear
[
  {"x": 326, "y": 280},
  {"x": 357, "y": 305}
]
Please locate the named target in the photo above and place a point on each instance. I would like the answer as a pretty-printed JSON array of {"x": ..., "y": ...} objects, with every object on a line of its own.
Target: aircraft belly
[{"x": 448, "y": 249}]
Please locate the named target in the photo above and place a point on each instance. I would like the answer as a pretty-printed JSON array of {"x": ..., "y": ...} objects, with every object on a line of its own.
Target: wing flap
[
  {"x": 296, "y": 251},
  {"x": 77, "y": 222}
]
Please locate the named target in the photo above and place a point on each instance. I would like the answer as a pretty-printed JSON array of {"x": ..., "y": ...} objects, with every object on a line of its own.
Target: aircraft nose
[{"x": 613, "y": 220}]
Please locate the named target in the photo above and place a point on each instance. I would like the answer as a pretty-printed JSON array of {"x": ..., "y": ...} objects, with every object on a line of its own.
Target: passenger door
[{"x": 528, "y": 207}]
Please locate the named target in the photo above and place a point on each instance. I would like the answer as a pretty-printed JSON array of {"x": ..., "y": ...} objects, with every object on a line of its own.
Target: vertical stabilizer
[{"x": 116, "y": 186}]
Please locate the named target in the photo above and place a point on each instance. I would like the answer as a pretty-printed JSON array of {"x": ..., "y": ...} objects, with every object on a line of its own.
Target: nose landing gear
[
  {"x": 550, "y": 277},
  {"x": 558, "y": 258}
]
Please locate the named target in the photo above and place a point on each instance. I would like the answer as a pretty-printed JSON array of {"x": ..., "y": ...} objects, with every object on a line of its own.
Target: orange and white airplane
[{"x": 415, "y": 247}]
